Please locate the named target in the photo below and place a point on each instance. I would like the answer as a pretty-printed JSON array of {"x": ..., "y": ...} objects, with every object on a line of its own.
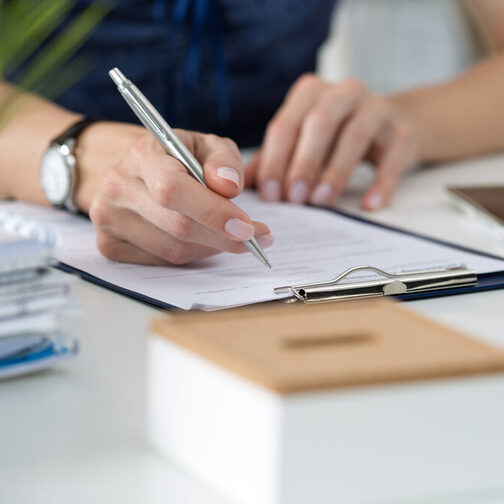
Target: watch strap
[
  {"x": 75, "y": 130},
  {"x": 72, "y": 133}
]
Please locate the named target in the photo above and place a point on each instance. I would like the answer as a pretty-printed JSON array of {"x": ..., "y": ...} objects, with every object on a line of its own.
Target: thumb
[{"x": 222, "y": 164}]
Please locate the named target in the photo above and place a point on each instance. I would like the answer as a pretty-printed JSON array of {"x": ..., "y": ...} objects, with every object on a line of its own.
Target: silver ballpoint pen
[{"x": 153, "y": 121}]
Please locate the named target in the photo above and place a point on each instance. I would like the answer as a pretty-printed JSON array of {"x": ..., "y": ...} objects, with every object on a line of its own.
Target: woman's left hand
[{"x": 320, "y": 134}]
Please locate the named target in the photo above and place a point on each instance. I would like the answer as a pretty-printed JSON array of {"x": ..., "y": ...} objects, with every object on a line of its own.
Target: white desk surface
[{"x": 76, "y": 434}]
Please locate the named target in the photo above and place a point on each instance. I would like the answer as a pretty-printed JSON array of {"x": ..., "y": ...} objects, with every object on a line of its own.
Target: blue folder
[{"x": 27, "y": 353}]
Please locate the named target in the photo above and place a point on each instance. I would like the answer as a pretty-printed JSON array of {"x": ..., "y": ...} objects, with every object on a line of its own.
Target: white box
[
  {"x": 364, "y": 445},
  {"x": 358, "y": 445}
]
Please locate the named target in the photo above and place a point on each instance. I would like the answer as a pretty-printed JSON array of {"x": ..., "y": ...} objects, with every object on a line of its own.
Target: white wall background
[{"x": 395, "y": 44}]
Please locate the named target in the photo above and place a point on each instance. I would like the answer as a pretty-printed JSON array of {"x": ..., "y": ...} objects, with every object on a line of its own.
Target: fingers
[
  {"x": 171, "y": 187},
  {"x": 314, "y": 119},
  {"x": 220, "y": 158},
  {"x": 126, "y": 226},
  {"x": 179, "y": 192},
  {"x": 127, "y": 212},
  {"x": 148, "y": 209},
  {"x": 354, "y": 141},
  {"x": 118, "y": 226},
  {"x": 121, "y": 251},
  {"x": 397, "y": 158},
  {"x": 318, "y": 134},
  {"x": 282, "y": 134},
  {"x": 138, "y": 199}
]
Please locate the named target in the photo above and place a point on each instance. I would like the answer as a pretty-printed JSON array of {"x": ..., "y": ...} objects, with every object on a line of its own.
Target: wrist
[
  {"x": 416, "y": 106},
  {"x": 23, "y": 142},
  {"x": 101, "y": 146}
]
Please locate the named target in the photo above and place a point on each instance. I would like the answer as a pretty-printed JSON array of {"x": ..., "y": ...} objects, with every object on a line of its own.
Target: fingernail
[
  {"x": 270, "y": 190},
  {"x": 228, "y": 173},
  {"x": 298, "y": 192},
  {"x": 265, "y": 240},
  {"x": 375, "y": 201},
  {"x": 322, "y": 194},
  {"x": 239, "y": 229}
]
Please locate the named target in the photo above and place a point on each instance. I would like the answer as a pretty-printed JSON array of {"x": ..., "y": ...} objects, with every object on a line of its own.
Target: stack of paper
[{"x": 32, "y": 295}]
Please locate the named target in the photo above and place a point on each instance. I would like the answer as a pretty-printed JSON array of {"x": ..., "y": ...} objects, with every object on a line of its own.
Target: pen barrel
[
  {"x": 154, "y": 122},
  {"x": 193, "y": 168}
]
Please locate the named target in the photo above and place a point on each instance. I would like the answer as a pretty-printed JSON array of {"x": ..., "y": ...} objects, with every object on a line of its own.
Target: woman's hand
[
  {"x": 145, "y": 206},
  {"x": 320, "y": 134}
]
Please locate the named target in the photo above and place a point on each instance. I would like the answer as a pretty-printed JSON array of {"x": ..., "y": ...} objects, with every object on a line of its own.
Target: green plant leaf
[
  {"x": 35, "y": 22},
  {"x": 24, "y": 26},
  {"x": 64, "y": 46},
  {"x": 59, "y": 80}
]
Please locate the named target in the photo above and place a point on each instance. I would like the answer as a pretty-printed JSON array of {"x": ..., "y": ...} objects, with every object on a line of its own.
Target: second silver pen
[{"x": 155, "y": 123}]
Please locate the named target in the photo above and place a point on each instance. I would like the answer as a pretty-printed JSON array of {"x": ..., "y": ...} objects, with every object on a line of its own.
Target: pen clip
[{"x": 388, "y": 285}]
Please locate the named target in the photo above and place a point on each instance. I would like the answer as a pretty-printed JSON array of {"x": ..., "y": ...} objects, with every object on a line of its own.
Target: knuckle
[
  {"x": 107, "y": 246},
  {"x": 164, "y": 193},
  {"x": 376, "y": 104},
  {"x": 280, "y": 125},
  {"x": 113, "y": 185},
  {"x": 141, "y": 146},
  {"x": 360, "y": 131},
  {"x": 319, "y": 119},
  {"x": 223, "y": 144},
  {"x": 229, "y": 144},
  {"x": 181, "y": 227},
  {"x": 333, "y": 93},
  {"x": 380, "y": 101},
  {"x": 308, "y": 81},
  {"x": 213, "y": 139},
  {"x": 353, "y": 86},
  {"x": 403, "y": 131},
  {"x": 177, "y": 254},
  {"x": 390, "y": 182},
  {"x": 98, "y": 214}
]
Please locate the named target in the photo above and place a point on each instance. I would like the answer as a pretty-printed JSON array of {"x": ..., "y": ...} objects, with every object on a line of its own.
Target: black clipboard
[{"x": 482, "y": 282}]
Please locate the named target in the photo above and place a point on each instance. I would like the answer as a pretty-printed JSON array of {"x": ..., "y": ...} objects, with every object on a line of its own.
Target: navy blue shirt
[{"x": 220, "y": 66}]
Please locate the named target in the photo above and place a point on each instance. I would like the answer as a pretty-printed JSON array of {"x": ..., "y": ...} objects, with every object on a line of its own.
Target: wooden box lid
[{"x": 292, "y": 348}]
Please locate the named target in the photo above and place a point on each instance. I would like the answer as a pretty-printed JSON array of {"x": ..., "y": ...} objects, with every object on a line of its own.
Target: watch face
[{"x": 55, "y": 177}]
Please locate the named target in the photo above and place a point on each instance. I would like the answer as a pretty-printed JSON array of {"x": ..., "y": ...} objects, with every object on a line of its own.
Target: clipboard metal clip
[{"x": 388, "y": 285}]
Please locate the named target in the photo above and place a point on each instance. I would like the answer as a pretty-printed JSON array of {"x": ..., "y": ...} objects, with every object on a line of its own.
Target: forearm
[
  {"x": 462, "y": 117},
  {"x": 31, "y": 124},
  {"x": 26, "y": 135}
]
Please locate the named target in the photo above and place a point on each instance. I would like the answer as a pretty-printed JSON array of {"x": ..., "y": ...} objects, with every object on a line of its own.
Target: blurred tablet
[{"x": 486, "y": 202}]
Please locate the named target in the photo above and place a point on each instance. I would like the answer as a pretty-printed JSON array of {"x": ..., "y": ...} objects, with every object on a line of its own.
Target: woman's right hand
[{"x": 145, "y": 206}]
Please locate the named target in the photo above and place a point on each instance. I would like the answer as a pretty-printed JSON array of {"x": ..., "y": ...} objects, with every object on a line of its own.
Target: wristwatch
[{"x": 58, "y": 170}]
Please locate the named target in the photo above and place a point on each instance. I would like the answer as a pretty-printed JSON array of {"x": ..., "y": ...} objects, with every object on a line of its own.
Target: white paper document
[{"x": 311, "y": 245}]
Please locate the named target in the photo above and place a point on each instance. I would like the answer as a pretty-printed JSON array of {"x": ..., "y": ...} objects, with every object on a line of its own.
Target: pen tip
[{"x": 268, "y": 264}]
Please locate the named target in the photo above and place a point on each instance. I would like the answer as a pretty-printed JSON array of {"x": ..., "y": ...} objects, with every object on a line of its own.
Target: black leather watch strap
[{"x": 75, "y": 130}]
